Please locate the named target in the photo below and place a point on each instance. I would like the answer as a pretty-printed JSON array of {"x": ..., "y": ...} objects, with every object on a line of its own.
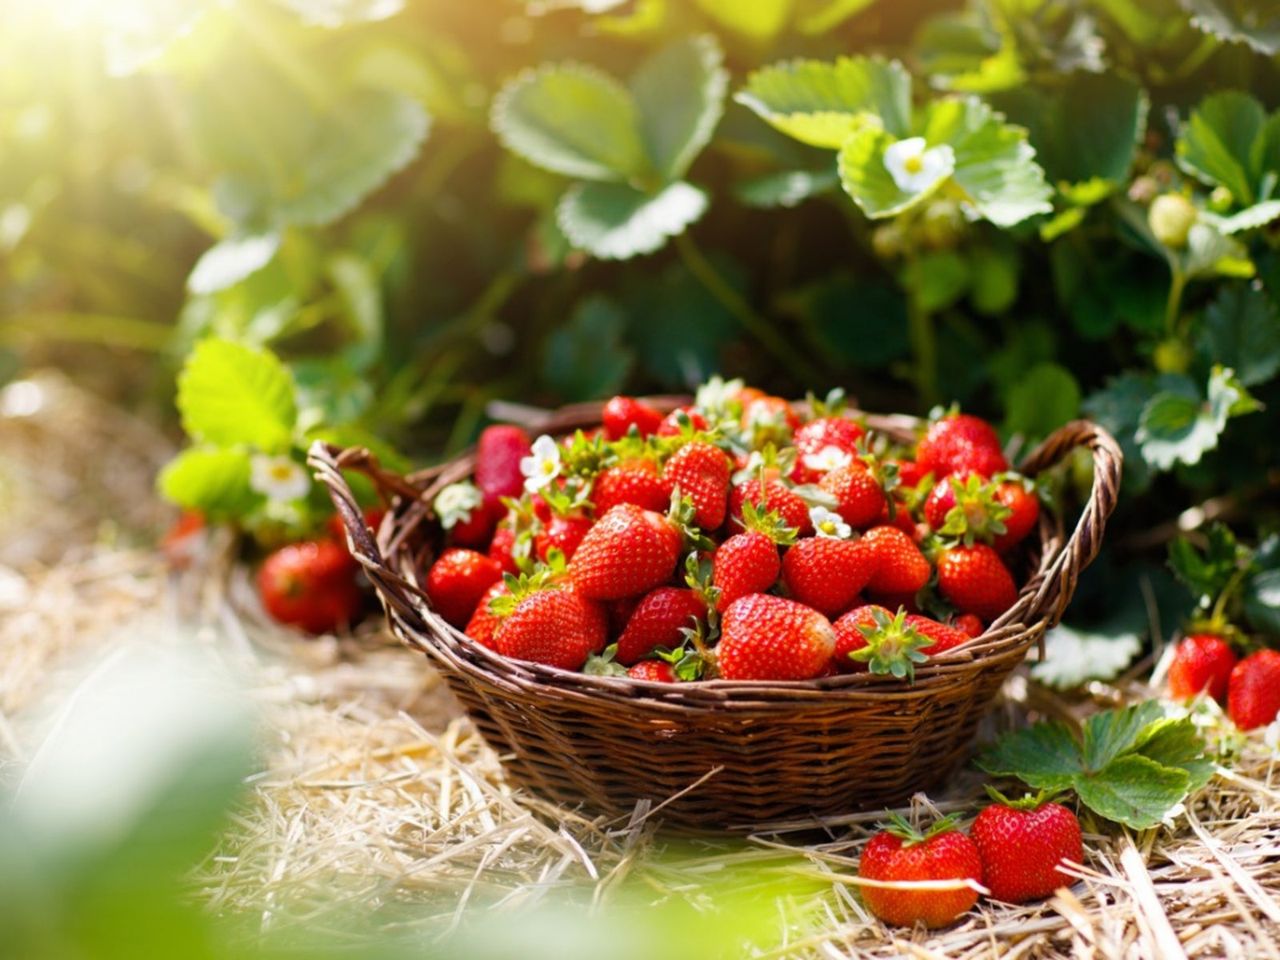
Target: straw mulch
[{"x": 376, "y": 794}]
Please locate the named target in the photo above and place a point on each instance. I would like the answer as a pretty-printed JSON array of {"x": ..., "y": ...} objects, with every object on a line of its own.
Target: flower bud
[{"x": 1171, "y": 217}]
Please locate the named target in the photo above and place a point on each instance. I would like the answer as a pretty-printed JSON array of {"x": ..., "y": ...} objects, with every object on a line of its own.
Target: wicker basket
[{"x": 720, "y": 753}]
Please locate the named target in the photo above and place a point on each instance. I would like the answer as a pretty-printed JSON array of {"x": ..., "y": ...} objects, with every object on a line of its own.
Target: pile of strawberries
[
  {"x": 741, "y": 537},
  {"x": 1205, "y": 662}
]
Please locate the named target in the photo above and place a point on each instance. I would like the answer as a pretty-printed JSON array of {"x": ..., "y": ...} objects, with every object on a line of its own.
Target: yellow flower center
[
  {"x": 281, "y": 471},
  {"x": 914, "y": 164},
  {"x": 548, "y": 467}
]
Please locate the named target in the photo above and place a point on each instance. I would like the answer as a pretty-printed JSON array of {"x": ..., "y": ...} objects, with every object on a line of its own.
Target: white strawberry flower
[
  {"x": 915, "y": 166},
  {"x": 543, "y": 464},
  {"x": 279, "y": 479},
  {"x": 1271, "y": 736},
  {"x": 713, "y": 396},
  {"x": 454, "y": 504},
  {"x": 828, "y": 523},
  {"x": 827, "y": 459}
]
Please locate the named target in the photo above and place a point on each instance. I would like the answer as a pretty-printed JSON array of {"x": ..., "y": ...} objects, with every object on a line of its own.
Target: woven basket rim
[{"x": 394, "y": 570}]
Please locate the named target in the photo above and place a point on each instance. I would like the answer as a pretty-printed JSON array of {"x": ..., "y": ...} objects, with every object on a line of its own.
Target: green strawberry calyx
[
  {"x": 910, "y": 834},
  {"x": 977, "y": 515},
  {"x": 603, "y": 664},
  {"x": 544, "y": 576},
  {"x": 768, "y": 522},
  {"x": 893, "y": 646},
  {"x": 1028, "y": 803}
]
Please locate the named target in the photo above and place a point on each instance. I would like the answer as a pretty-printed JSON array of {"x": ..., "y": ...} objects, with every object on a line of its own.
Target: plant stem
[
  {"x": 759, "y": 327},
  {"x": 1173, "y": 307}
]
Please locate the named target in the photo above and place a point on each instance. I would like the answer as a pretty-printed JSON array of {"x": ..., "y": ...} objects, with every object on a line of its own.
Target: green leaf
[
  {"x": 821, "y": 103},
  {"x": 1134, "y": 791},
  {"x": 680, "y": 94},
  {"x": 1262, "y": 601},
  {"x": 229, "y": 261},
  {"x": 1118, "y": 409},
  {"x": 1110, "y": 733},
  {"x": 1238, "y": 21},
  {"x": 585, "y": 358},
  {"x": 614, "y": 222},
  {"x": 230, "y": 394},
  {"x": 786, "y": 188},
  {"x": 1045, "y": 756},
  {"x": 324, "y": 167},
  {"x": 995, "y": 279},
  {"x": 677, "y": 327},
  {"x": 820, "y": 16},
  {"x": 1176, "y": 742},
  {"x": 361, "y": 299},
  {"x": 1210, "y": 253},
  {"x": 1242, "y": 331},
  {"x": 866, "y": 178},
  {"x": 759, "y": 20},
  {"x": 1174, "y": 428},
  {"x": 1044, "y": 399},
  {"x": 1217, "y": 141},
  {"x": 995, "y": 166},
  {"x": 211, "y": 480},
  {"x": 1074, "y": 657},
  {"x": 1250, "y": 218},
  {"x": 1206, "y": 572},
  {"x": 572, "y": 119},
  {"x": 937, "y": 279},
  {"x": 851, "y": 320}
]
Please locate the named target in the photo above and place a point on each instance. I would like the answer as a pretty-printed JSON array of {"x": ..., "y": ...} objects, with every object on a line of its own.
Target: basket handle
[{"x": 1086, "y": 539}]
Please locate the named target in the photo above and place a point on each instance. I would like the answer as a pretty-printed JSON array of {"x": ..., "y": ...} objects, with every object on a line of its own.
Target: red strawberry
[
  {"x": 563, "y": 532},
  {"x": 773, "y": 496},
  {"x": 1202, "y": 662},
  {"x": 959, "y": 444},
  {"x": 475, "y": 530},
  {"x": 859, "y": 495},
  {"x": 701, "y": 472},
  {"x": 310, "y": 585},
  {"x": 826, "y": 573},
  {"x": 183, "y": 541},
  {"x": 969, "y": 623},
  {"x": 457, "y": 581},
  {"x": 976, "y": 580},
  {"x": 763, "y": 637},
  {"x": 980, "y": 515},
  {"x": 748, "y": 562},
  {"x": 619, "y": 612},
  {"x": 1022, "y": 844},
  {"x": 850, "y": 638},
  {"x": 502, "y": 546},
  {"x": 628, "y": 552},
  {"x": 1253, "y": 695},
  {"x": 634, "y": 481},
  {"x": 1024, "y": 512},
  {"x": 671, "y": 426},
  {"x": 944, "y": 636},
  {"x": 812, "y": 439},
  {"x": 902, "y": 854},
  {"x": 654, "y": 671},
  {"x": 498, "y": 456},
  {"x": 622, "y": 413},
  {"x": 657, "y": 622},
  {"x": 557, "y": 626},
  {"x": 910, "y": 473},
  {"x": 484, "y": 622},
  {"x": 897, "y": 565}
]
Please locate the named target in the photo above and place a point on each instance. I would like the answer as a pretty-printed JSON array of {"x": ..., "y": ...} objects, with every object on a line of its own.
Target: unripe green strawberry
[
  {"x": 1253, "y": 695},
  {"x": 826, "y": 573},
  {"x": 897, "y": 565},
  {"x": 1202, "y": 662},
  {"x": 556, "y": 626},
  {"x": 763, "y": 637},
  {"x": 902, "y": 854},
  {"x": 975, "y": 580},
  {"x": 858, "y": 493},
  {"x": 1023, "y": 845},
  {"x": 657, "y": 621},
  {"x": 1171, "y": 217},
  {"x": 700, "y": 471},
  {"x": 627, "y": 553},
  {"x": 457, "y": 581}
]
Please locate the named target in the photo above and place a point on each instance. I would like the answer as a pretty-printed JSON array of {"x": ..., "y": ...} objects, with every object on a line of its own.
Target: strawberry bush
[{"x": 363, "y": 221}]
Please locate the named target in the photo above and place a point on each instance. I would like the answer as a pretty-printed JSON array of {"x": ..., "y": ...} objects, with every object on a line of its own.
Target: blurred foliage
[{"x": 421, "y": 205}]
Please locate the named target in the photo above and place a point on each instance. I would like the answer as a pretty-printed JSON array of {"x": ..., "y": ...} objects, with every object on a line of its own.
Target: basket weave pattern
[{"x": 756, "y": 751}]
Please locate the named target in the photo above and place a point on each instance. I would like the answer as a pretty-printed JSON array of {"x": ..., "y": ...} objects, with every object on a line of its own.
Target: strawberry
[
  {"x": 310, "y": 585},
  {"x": 772, "y": 496},
  {"x": 457, "y": 581},
  {"x": 475, "y": 529},
  {"x": 944, "y": 636},
  {"x": 628, "y": 552},
  {"x": 858, "y": 493},
  {"x": 502, "y": 548},
  {"x": 910, "y": 473},
  {"x": 633, "y": 481},
  {"x": 556, "y": 626},
  {"x": 184, "y": 540},
  {"x": 1202, "y": 663},
  {"x": 900, "y": 854},
  {"x": 1253, "y": 694},
  {"x": 975, "y": 580},
  {"x": 563, "y": 532},
  {"x": 897, "y": 565},
  {"x": 680, "y": 419},
  {"x": 658, "y": 621},
  {"x": 767, "y": 416},
  {"x": 763, "y": 637},
  {"x": 484, "y": 622},
  {"x": 969, "y": 623},
  {"x": 619, "y": 612},
  {"x": 1024, "y": 512},
  {"x": 700, "y": 471},
  {"x": 885, "y": 643},
  {"x": 819, "y": 445},
  {"x": 466, "y": 514},
  {"x": 850, "y": 638},
  {"x": 826, "y": 573},
  {"x": 1022, "y": 844},
  {"x": 960, "y": 443},
  {"x": 622, "y": 413},
  {"x": 748, "y": 562},
  {"x": 498, "y": 455},
  {"x": 966, "y": 506},
  {"x": 654, "y": 671}
]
